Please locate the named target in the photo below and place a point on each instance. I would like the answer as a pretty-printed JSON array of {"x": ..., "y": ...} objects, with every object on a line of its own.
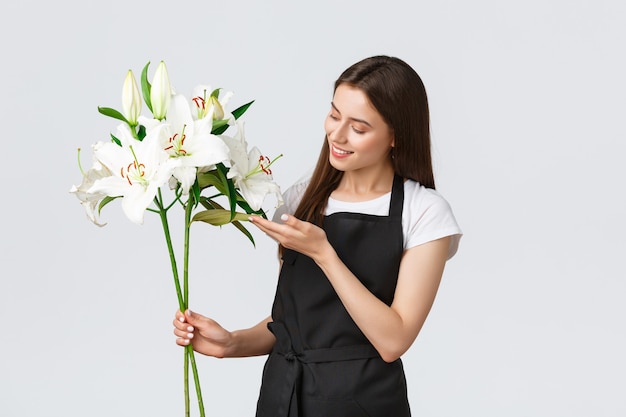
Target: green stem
[
  {"x": 188, "y": 212},
  {"x": 188, "y": 349},
  {"x": 181, "y": 302},
  {"x": 170, "y": 249}
]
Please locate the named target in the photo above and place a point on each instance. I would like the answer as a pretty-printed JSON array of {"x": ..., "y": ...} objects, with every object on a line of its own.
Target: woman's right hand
[{"x": 205, "y": 335}]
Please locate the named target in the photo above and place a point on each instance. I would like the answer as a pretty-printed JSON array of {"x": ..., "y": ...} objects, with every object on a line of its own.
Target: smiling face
[{"x": 358, "y": 137}]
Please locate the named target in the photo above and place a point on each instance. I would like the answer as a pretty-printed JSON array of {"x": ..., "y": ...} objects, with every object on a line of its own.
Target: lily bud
[
  {"x": 215, "y": 108},
  {"x": 161, "y": 92},
  {"x": 131, "y": 99}
]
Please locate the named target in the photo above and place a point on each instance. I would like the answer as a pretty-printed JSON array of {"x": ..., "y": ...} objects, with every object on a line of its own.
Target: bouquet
[{"x": 181, "y": 149}]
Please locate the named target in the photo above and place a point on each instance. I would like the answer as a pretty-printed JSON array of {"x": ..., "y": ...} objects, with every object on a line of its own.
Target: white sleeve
[
  {"x": 291, "y": 198},
  {"x": 430, "y": 217}
]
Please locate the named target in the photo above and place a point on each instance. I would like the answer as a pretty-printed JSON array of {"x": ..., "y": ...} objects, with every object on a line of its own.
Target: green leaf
[
  {"x": 142, "y": 132},
  {"x": 245, "y": 231},
  {"x": 231, "y": 193},
  {"x": 218, "y": 217},
  {"x": 146, "y": 87},
  {"x": 244, "y": 205},
  {"x": 212, "y": 178},
  {"x": 215, "y": 93},
  {"x": 241, "y": 110},
  {"x": 211, "y": 205},
  {"x": 219, "y": 126},
  {"x": 105, "y": 201},
  {"x": 116, "y": 140},
  {"x": 196, "y": 192},
  {"x": 107, "y": 111}
]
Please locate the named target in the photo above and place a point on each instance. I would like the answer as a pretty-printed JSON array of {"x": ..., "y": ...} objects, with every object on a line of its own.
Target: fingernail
[
  {"x": 250, "y": 218},
  {"x": 181, "y": 319},
  {"x": 190, "y": 329},
  {"x": 284, "y": 217},
  {"x": 189, "y": 335},
  {"x": 188, "y": 313}
]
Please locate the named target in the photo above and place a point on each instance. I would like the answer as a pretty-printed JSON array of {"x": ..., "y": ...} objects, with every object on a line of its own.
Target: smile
[{"x": 338, "y": 151}]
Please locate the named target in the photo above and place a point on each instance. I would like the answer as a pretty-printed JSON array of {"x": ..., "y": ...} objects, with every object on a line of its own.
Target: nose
[{"x": 338, "y": 133}]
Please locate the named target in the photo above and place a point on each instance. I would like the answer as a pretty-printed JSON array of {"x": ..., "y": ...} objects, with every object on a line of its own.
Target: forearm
[
  {"x": 254, "y": 341},
  {"x": 391, "y": 329},
  {"x": 382, "y": 326}
]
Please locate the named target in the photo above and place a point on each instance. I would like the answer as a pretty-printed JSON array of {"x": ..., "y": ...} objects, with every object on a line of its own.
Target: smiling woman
[
  {"x": 358, "y": 136},
  {"x": 363, "y": 243}
]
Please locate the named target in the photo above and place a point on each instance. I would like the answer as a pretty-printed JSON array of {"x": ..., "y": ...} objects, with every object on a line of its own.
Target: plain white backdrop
[{"x": 528, "y": 105}]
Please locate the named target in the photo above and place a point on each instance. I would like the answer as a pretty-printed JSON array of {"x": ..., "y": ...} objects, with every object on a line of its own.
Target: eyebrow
[{"x": 365, "y": 122}]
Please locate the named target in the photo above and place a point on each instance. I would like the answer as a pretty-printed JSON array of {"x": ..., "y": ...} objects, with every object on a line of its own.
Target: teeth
[{"x": 340, "y": 151}]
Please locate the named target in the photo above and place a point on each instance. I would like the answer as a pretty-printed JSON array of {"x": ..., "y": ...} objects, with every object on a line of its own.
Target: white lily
[
  {"x": 209, "y": 106},
  {"x": 91, "y": 201},
  {"x": 250, "y": 171},
  {"x": 160, "y": 92},
  {"x": 131, "y": 99},
  {"x": 139, "y": 168},
  {"x": 191, "y": 143}
]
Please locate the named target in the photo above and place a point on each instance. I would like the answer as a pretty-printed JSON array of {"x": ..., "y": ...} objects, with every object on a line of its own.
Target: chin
[{"x": 335, "y": 165}]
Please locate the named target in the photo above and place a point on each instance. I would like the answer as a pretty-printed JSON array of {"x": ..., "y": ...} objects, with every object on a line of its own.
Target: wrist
[
  {"x": 230, "y": 348},
  {"x": 326, "y": 256}
]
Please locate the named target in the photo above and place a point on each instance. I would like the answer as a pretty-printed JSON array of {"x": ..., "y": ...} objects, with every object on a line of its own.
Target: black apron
[{"x": 321, "y": 364}]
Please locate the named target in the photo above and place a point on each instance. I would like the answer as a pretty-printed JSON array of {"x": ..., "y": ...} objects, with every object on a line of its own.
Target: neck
[{"x": 372, "y": 183}]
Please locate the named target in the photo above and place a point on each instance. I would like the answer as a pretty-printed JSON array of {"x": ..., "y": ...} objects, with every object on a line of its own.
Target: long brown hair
[{"x": 397, "y": 92}]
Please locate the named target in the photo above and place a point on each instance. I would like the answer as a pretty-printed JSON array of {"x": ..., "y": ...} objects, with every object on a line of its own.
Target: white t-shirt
[{"x": 426, "y": 215}]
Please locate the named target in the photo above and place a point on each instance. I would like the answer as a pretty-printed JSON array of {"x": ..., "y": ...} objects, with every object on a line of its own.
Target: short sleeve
[
  {"x": 429, "y": 217},
  {"x": 291, "y": 198}
]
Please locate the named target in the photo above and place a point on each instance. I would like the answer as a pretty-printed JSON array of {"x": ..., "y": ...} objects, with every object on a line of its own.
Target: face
[{"x": 358, "y": 137}]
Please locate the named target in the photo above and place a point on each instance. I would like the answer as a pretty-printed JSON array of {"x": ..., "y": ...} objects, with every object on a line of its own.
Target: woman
[{"x": 362, "y": 257}]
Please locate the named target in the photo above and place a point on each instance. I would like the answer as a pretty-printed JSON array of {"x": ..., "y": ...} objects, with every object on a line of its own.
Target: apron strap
[{"x": 397, "y": 197}]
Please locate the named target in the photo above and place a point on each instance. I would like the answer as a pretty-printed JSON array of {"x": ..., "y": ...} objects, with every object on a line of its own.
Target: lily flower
[
  {"x": 190, "y": 143},
  {"x": 250, "y": 171},
  {"x": 91, "y": 201},
  {"x": 138, "y": 169},
  {"x": 131, "y": 99},
  {"x": 160, "y": 92},
  {"x": 209, "y": 106}
]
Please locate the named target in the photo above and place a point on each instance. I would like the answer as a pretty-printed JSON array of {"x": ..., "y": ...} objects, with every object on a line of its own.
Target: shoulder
[{"x": 423, "y": 199}]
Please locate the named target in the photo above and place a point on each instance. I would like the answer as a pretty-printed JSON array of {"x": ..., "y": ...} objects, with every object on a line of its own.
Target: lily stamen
[
  {"x": 261, "y": 167},
  {"x": 135, "y": 171},
  {"x": 177, "y": 141}
]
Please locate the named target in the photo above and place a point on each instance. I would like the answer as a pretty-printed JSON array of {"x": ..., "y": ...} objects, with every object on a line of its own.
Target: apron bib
[{"x": 321, "y": 363}]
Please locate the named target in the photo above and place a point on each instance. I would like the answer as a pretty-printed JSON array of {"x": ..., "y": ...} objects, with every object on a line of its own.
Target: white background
[{"x": 528, "y": 103}]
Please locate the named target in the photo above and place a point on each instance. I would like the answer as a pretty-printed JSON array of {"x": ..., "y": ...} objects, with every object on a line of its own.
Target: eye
[
  {"x": 357, "y": 131},
  {"x": 333, "y": 116}
]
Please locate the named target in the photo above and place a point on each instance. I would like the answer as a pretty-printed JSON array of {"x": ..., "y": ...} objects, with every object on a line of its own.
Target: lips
[{"x": 340, "y": 152}]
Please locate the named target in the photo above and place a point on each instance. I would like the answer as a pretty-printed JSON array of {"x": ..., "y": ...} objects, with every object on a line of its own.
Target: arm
[
  {"x": 211, "y": 339},
  {"x": 390, "y": 329}
]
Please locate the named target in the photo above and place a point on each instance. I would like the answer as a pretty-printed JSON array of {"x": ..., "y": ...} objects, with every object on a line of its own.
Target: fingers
[
  {"x": 277, "y": 231},
  {"x": 182, "y": 329}
]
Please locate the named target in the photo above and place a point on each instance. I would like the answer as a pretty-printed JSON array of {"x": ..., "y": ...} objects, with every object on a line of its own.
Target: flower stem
[
  {"x": 166, "y": 229},
  {"x": 181, "y": 302},
  {"x": 188, "y": 212}
]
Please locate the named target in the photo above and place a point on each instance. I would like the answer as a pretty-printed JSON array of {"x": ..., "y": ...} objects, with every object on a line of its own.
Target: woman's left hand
[{"x": 295, "y": 234}]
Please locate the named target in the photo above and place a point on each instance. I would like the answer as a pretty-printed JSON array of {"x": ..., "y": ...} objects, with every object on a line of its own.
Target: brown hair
[{"x": 396, "y": 91}]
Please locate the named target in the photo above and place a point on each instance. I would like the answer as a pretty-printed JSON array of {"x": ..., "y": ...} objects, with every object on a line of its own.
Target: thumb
[{"x": 191, "y": 317}]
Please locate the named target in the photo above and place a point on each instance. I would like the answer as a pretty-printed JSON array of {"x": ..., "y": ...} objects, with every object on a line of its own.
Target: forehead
[{"x": 348, "y": 98}]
